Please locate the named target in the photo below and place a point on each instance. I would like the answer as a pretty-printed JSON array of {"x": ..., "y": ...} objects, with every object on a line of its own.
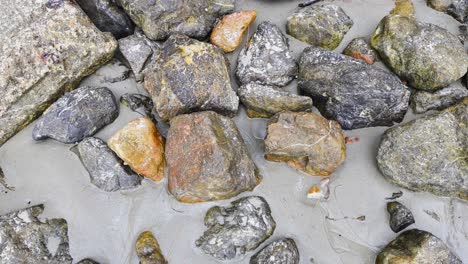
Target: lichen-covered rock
[
  {"x": 24, "y": 238},
  {"x": 190, "y": 76},
  {"x": 140, "y": 145},
  {"x": 427, "y": 56},
  {"x": 76, "y": 115},
  {"x": 160, "y": 18},
  {"x": 235, "y": 230},
  {"x": 3, "y": 184},
  {"x": 322, "y": 25},
  {"x": 400, "y": 216},
  {"x": 283, "y": 251},
  {"x": 148, "y": 250},
  {"x": 207, "y": 159},
  {"x": 423, "y": 101},
  {"x": 456, "y": 8},
  {"x": 43, "y": 56},
  {"x": 430, "y": 153},
  {"x": 230, "y": 31},
  {"x": 306, "y": 141},
  {"x": 417, "y": 247},
  {"x": 137, "y": 50},
  {"x": 404, "y": 8},
  {"x": 350, "y": 91},
  {"x": 266, "y": 58},
  {"x": 266, "y": 101},
  {"x": 87, "y": 261},
  {"x": 358, "y": 48},
  {"x": 105, "y": 169}
]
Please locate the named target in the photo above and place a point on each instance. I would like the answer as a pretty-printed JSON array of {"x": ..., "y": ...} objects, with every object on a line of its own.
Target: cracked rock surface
[
  {"x": 422, "y": 101},
  {"x": 400, "y": 216},
  {"x": 283, "y": 251}
]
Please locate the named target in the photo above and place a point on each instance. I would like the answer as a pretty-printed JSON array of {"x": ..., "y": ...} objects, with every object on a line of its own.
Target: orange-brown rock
[
  {"x": 229, "y": 32},
  {"x": 148, "y": 250}
]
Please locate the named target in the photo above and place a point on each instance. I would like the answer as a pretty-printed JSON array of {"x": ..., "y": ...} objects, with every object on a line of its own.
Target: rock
[
  {"x": 322, "y": 25},
  {"x": 439, "y": 5},
  {"x": 77, "y": 114},
  {"x": 137, "y": 51},
  {"x": 108, "y": 17},
  {"x": 358, "y": 48},
  {"x": 429, "y": 153},
  {"x": 423, "y": 101},
  {"x": 350, "y": 91},
  {"x": 38, "y": 66},
  {"x": 230, "y": 31},
  {"x": 159, "y": 19},
  {"x": 400, "y": 216},
  {"x": 25, "y": 238},
  {"x": 87, "y": 261},
  {"x": 404, "y": 8},
  {"x": 3, "y": 185},
  {"x": 416, "y": 247},
  {"x": 283, "y": 251},
  {"x": 320, "y": 191},
  {"x": 136, "y": 101},
  {"x": 235, "y": 230},
  {"x": 265, "y": 101},
  {"x": 148, "y": 250},
  {"x": 456, "y": 8},
  {"x": 266, "y": 58},
  {"x": 190, "y": 76},
  {"x": 207, "y": 159},
  {"x": 306, "y": 141},
  {"x": 140, "y": 146},
  {"x": 105, "y": 169},
  {"x": 427, "y": 56}
]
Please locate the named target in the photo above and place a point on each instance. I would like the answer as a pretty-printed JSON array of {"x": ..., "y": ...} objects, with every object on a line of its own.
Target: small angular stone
[
  {"x": 404, "y": 8},
  {"x": 87, "y": 261},
  {"x": 148, "y": 250},
  {"x": 400, "y": 216},
  {"x": 306, "y": 141},
  {"x": 207, "y": 159},
  {"x": 136, "y": 51},
  {"x": 358, "y": 48},
  {"x": 320, "y": 191},
  {"x": 283, "y": 251},
  {"x": 230, "y": 31},
  {"x": 140, "y": 146},
  {"x": 266, "y": 58},
  {"x": 76, "y": 115},
  {"x": 265, "y": 101},
  {"x": 322, "y": 25},
  {"x": 235, "y": 230},
  {"x": 423, "y": 101}
]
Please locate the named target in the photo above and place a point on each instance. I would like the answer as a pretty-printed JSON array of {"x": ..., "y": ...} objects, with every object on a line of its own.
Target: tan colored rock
[
  {"x": 229, "y": 32},
  {"x": 404, "y": 8},
  {"x": 148, "y": 250}
]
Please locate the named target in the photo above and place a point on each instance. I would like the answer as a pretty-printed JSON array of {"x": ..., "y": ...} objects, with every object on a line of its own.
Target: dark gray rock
[
  {"x": 87, "y": 261},
  {"x": 358, "y": 48},
  {"x": 422, "y": 101},
  {"x": 136, "y": 101},
  {"x": 400, "y": 216},
  {"x": 235, "y": 230},
  {"x": 350, "y": 91},
  {"x": 266, "y": 58},
  {"x": 283, "y": 251},
  {"x": 459, "y": 10},
  {"x": 137, "y": 50}
]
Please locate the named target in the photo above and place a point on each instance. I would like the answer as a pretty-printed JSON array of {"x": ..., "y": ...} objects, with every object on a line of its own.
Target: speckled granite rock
[
  {"x": 24, "y": 238},
  {"x": 427, "y": 56},
  {"x": 87, "y": 261},
  {"x": 430, "y": 153},
  {"x": 417, "y": 247},
  {"x": 43, "y": 56},
  {"x": 266, "y": 101},
  {"x": 350, "y": 91},
  {"x": 400, "y": 216},
  {"x": 266, "y": 58},
  {"x": 148, "y": 250},
  {"x": 76, "y": 115},
  {"x": 208, "y": 159},
  {"x": 322, "y": 25},
  {"x": 422, "y": 101},
  {"x": 404, "y": 8},
  {"x": 230, "y": 31},
  {"x": 190, "y": 76},
  {"x": 306, "y": 141},
  {"x": 137, "y": 50},
  {"x": 358, "y": 48},
  {"x": 235, "y": 230},
  {"x": 283, "y": 251},
  {"x": 161, "y": 18},
  {"x": 456, "y": 8}
]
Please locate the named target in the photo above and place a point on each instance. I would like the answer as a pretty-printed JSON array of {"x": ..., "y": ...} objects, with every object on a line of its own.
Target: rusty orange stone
[{"x": 229, "y": 32}]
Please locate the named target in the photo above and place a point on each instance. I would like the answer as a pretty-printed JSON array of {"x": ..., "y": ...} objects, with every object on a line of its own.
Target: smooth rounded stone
[
  {"x": 283, "y": 251},
  {"x": 190, "y": 76},
  {"x": 427, "y": 56},
  {"x": 404, "y": 8},
  {"x": 400, "y": 216},
  {"x": 208, "y": 159},
  {"x": 350, "y": 91},
  {"x": 235, "y": 230},
  {"x": 322, "y": 25},
  {"x": 429, "y": 153},
  {"x": 417, "y": 247},
  {"x": 140, "y": 145},
  {"x": 422, "y": 101},
  {"x": 264, "y": 101},
  {"x": 136, "y": 51},
  {"x": 24, "y": 238},
  {"x": 230, "y": 31},
  {"x": 358, "y": 48},
  {"x": 306, "y": 141},
  {"x": 161, "y": 18},
  {"x": 87, "y": 261},
  {"x": 148, "y": 250},
  {"x": 76, "y": 115},
  {"x": 439, "y": 5},
  {"x": 266, "y": 58}
]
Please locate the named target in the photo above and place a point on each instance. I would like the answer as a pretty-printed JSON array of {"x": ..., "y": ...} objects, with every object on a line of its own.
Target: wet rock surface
[
  {"x": 350, "y": 91},
  {"x": 76, "y": 115},
  {"x": 283, "y": 251},
  {"x": 358, "y": 48},
  {"x": 24, "y": 238},
  {"x": 235, "y": 230},
  {"x": 400, "y": 216},
  {"x": 422, "y": 101},
  {"x": 306, "y": 141},
  {"x": 429, "y": 154},
  {"x": 266, "y": 58},
  {"x": 148, "y": 250},
  {"x": 427, "y": 56},
  {"x": 207, "y": 159},
  {"x": 322, "y": 25},
  {"x": 230, "y": 31}
]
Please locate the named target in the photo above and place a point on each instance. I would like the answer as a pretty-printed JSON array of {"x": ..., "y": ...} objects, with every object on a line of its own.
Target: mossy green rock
[{"x": 427, "y": 56}]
